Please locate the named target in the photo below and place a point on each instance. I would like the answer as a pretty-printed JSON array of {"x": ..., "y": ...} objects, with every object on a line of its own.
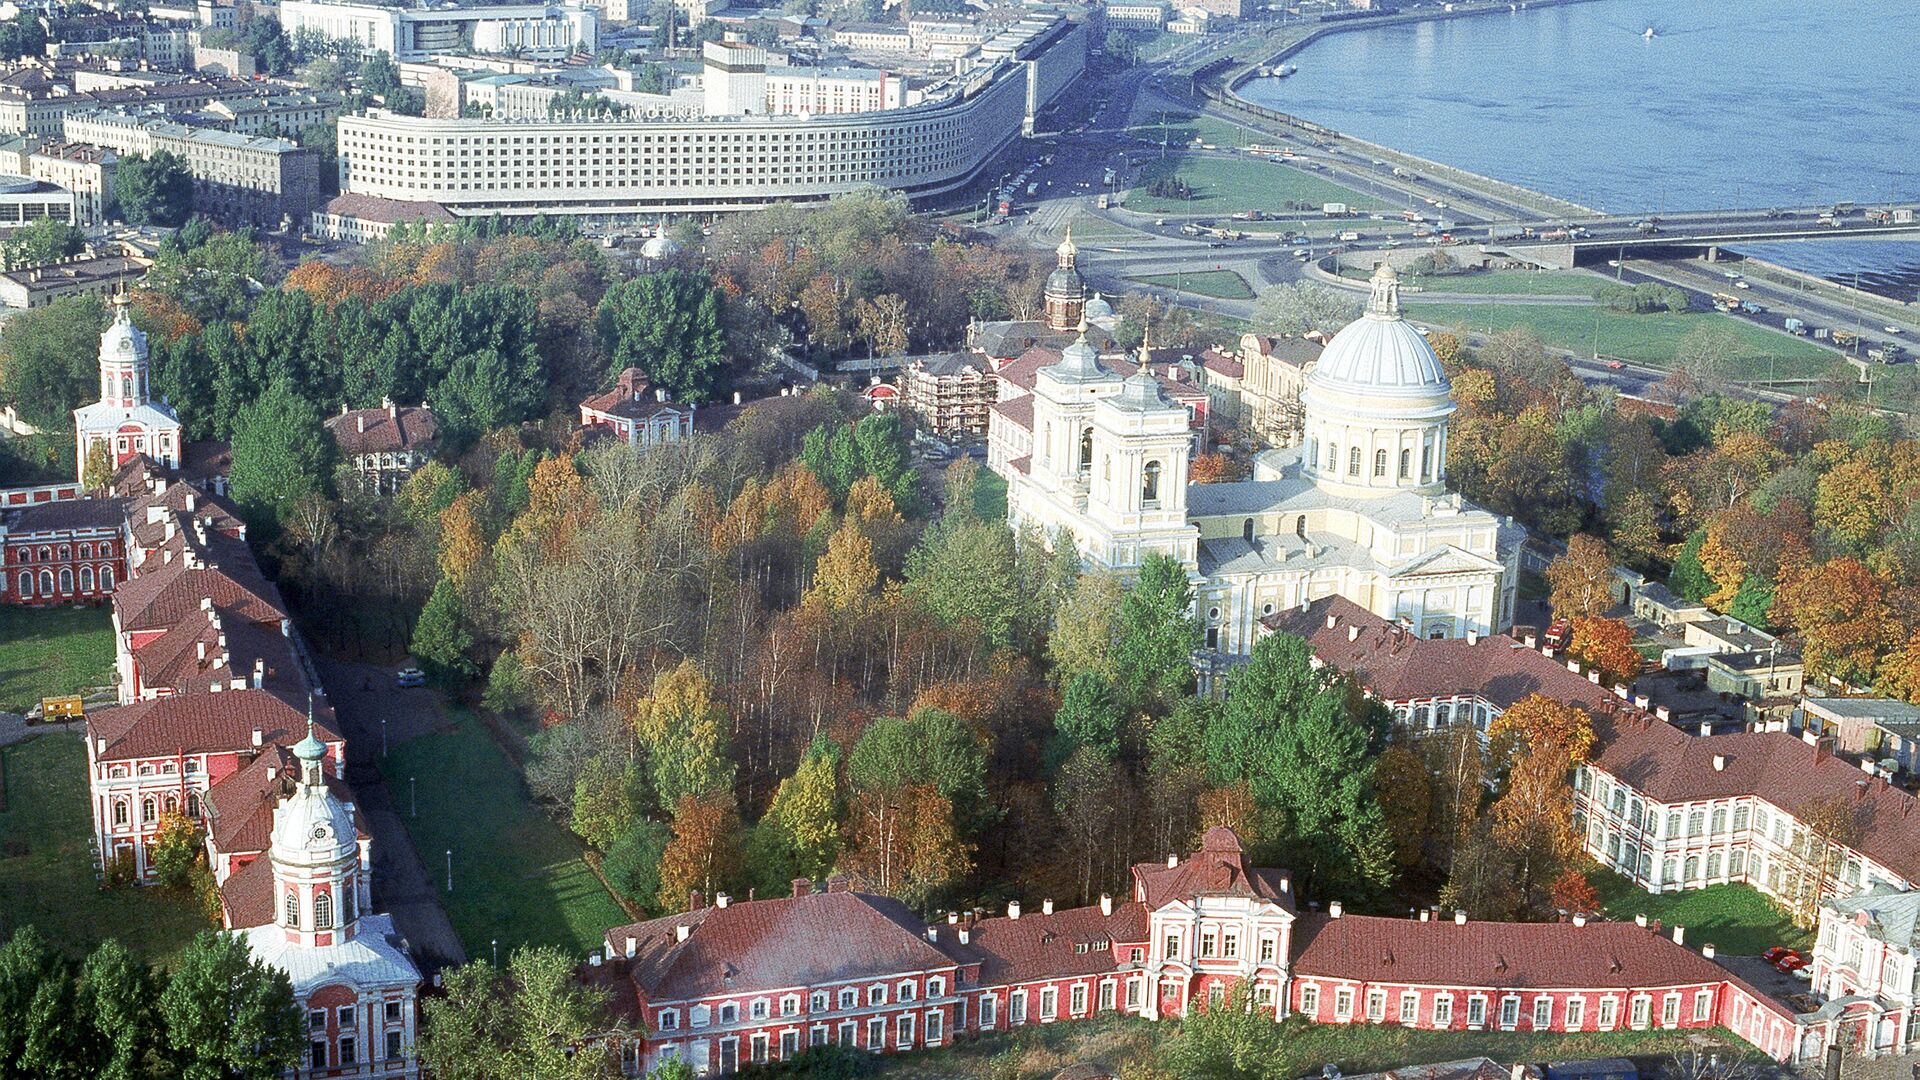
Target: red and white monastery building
[
  {"x": 220, "y": 718},
  {"x": 733, "y": 983}
]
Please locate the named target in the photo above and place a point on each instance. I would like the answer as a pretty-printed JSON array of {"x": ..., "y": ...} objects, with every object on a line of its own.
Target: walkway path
[{"x": 370, "y": 709}]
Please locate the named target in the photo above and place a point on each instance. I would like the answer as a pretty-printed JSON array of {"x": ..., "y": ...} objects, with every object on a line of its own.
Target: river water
[{"x": 1755, "y": 103}]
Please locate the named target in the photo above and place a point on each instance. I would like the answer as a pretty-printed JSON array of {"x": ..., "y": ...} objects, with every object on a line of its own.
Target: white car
[{"x": 1892, "y": 329}]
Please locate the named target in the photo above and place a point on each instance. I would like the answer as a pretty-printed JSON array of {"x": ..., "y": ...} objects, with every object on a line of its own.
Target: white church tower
[
  {"x": 351, "y": 975},
  {"x": 125, "y": 418}
]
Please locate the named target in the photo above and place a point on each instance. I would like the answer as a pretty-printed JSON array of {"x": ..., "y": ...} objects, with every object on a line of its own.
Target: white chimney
[
  {"x": 1286, "y": 884},
  {"x": 721, "y": 900},
  {"x": 1719, "y": 763},
  {"x": 965, "y": 935},
  {"x": 100, "y": 746},
  {"x": 1173, "y": 861},
  {"x": 680, "y": 932},
  {"x": 1594, "y": 676},
  {"x": 1473, "y": 637},
  {"x": 593, "y": 958},
  {"x": 1640, "y": 920},
  {"x": 1353, "y": 632},
  {"x": 1460, "y": 917},
  {"x": 633, "y": 946},
  {"x": 736, "y": 397},
  {"x": 1425, "y": 915},
  {"x": 201, "y": 648},
  {"x": 1679, "y": 935},
  {"x": 933, "y": 934},
  {"x": 1106, "y": 903},
  {"x": 1333, "y": 621},
  {"x": 953, "y": 918},
  {"x": 1013, "y": 909},
  {"x": 360, "y": 422},
  {"x": 259, "y": 672},
  {"x": 1046, "y": 906},
  {"x": 1579, "y": 918},
  {"x": 1335, "y": 909},
  {"x": 1707, "y": 950}
]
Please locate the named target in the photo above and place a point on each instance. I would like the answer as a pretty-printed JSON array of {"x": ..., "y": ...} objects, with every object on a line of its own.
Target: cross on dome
[
  {"x": 1385, "y": 301},
  {"x": 1067, "y": 251}
]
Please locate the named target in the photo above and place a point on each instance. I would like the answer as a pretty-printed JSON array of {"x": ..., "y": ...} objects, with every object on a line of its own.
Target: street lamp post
[
  {"x": 413, "y": 804},
  {"x": 449, "y": 869}
]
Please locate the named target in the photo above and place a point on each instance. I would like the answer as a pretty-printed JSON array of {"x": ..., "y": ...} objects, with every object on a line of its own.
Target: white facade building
[
  {"x": 1361, "y": 510},
  {"x": 541, "y": 31}
]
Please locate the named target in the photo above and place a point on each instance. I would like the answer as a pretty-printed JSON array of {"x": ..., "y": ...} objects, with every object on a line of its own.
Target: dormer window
[
  {"x": 876, "y": 995},
  {"x": 904, "y": 992},
  {"x": 668, "y": 1020},
  {"x": 758, "y": 1010}
]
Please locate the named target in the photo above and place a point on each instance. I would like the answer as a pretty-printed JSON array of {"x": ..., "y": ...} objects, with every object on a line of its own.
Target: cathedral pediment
[{"x": 1445, "y": 559}]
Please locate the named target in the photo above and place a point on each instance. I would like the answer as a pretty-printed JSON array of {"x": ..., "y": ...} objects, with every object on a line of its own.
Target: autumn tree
[
  {"x": 1573, "y": 892},
  {"x": 1581, "y": 580},
  {"x": 680, "y": 725},
  {"x": 1084, "y": 627},
  {"x": 1534, "y": 722},
  {"x": 1406, "y": 801},
  {"x": 704, "y": 853},
  {"x": 903, "y": 841},
  {"x": 1606, "y": 645},
  {"x": 1816, "y": 855},
  {"x": 806, "y": 810},
  {"x": 1840, "y": 612}
]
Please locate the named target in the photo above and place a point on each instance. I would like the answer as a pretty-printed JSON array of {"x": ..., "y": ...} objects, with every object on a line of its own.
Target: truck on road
[
  {"x": 1845, "y": 339},
  {"x": 1349, "y": 236},
  {"x": 1724, "y": 302},
  {"x": 1795, "y": 327},
  {"x": 1334, "y": 209}
]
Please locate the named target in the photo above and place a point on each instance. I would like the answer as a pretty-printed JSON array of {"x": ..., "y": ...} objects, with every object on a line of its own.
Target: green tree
[
  {"x": 46, "y": 240},
  {"x": 963, "y": 572},
  {"x": 877, "y": 446},
  {"x": 441, "y": 638},
  {"x": 1088, "y": 718},
  {"x": 1299, "y": 736},
  {"x": 1689, "y": 578},
  {"x": 179, "y": 849},
  {"x": 1232, "y": 1040},
  {"x": 37, "y": 1033},
  {"x": 1157, "y": 634},
  {"x": 606, "y": 801},
  {"x": 931, "y": 746},
  {"x": 668, "y": 324},
  {"x": 156, "y": 190},
  {"x": 116, "y": 1003},
  {"x": 534, "y": 1021},
  {"x": 682, "y": 728},
  {"x": 632, "y": 864},
  {"x": 1302, "y": 306},
  {"x": 281, "y": 454},
  {"x": 228, "y": 1016},
  {"x": 1085, "y": 625},
  {"x": 50, "y": 360},
  {"x": 806, "y": 809},
  {"x": 485, "y": 389}
]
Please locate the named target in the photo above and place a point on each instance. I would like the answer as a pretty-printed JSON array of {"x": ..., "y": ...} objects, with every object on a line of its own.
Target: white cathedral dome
[
  {"x": 312, "y": 827},
  {"x": 1380, "y": 353}
]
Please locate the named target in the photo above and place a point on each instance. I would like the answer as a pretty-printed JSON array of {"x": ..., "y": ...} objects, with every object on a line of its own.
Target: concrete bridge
[{"x": 1565, "y": 244}]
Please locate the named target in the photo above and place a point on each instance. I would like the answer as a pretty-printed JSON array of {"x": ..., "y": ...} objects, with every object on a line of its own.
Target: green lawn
[
  {"x": 1124, "y": 1043},
  {"x": 1643, "y": 339},
  {"x": 46, "y": 862},
  {"x": 1219, "y": 284},
  {"x": 1737, "y": 919},
  {"x": 1230, "y": 185},
  {"x": 990, "y": 495},
  {"x": 1181, "y": 129},
  {"x": 517, "y": 874},
  {"x": 47, "y": 652},
  {"x": 1500, "y": 282},
  {"x": 1088, "y": 227}
]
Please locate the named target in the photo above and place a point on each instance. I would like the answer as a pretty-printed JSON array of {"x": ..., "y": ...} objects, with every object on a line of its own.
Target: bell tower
[
  {"x": 125, "y": 419},
  {"x": 316, "y": 855},
  {"x": 1065, "y": 292}
]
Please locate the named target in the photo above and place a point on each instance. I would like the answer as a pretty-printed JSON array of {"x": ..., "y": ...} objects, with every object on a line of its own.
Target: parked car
[
  {"x": 1778, "y": 953},
  {"x": 409, "y": 677},
  {"x": 1560, "y": 634},
  {"x": 1793, "y": 963}
]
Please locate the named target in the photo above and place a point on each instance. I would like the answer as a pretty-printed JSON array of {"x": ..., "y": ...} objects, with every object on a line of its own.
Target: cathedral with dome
[
  {"x": 125, "y": 419},
  {"x": 1358, "y": 509}
]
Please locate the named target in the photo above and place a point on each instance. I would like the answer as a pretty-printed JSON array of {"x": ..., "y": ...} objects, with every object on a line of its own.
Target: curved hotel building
[{"x": 661, "y": 163}]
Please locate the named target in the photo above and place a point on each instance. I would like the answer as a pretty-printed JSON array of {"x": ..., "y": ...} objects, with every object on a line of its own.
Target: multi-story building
[
  {"x": 826, "y": 91},
  {"x": 1667, "y": 809},
  {"x": 385, "y": 445},
  {"x": 951, "y": 393},
  {"x": 719, "y": 987},
  {"x": 360, "y": 219},
  {"x": 86, "y": 170},
  {"x": 1273, "y": 377},
  {"x": 85, "y": 275},
  {"x": 636, "y": 413},
  {"x": 874, "y": 37},
  {"x": 240, "y": 179},
  {"x": 645, "y": 165},
  {"x": 63, "y": 552},
  {"x": 539, "y": 31},
  {"x": 1876, "y": 729},
  {"x": 1865, "y": 963},
  {"x": 25, "y": 200},
  {"x": 1136, "y": 15}
]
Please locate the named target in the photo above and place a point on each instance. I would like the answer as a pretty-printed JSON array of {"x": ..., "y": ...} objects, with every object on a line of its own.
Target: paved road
[{"x": 363, "y": 696}]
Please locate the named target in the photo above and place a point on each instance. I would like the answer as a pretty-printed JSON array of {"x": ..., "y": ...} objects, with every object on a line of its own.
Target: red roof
[
  {"x": 162, "y": 593},
  {"x": 791, "y": 941},
  {"x": 1219, "y": 868},
  {"x": 1499, "y": 955},
  {"x": 1076, "y": 941},
  {"x": 248, "y": 895},
  {"x": 379, "y": 431},
  {"x": 1018, "y": 411},
  {"x": 203, "y": 723},
  {"x": 1222, "y": 363}
]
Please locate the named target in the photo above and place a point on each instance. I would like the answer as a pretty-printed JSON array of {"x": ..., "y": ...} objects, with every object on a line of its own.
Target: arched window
[
  {"x": 119, "y": 811},
  {"x": 1646, "y": 865},
  {"x": 46, "y": 583},
  {"x": 173, "y": 804},
  {"x": 193, "y": 806},
  {"x": 1300, "y": 526},
  {"x": 106, "y": 577},
  {"x": 1086, "y": 449},
  {"x": 86, "y": 551},
  {"x": 322, "y": 911},
  {"x": 1406, "y": 464},
  {"x": 1353, "y": 461},
  {"x": 66, "y": 552},
  {"x": 1333, "y": 457},
  {"x": 26, "y": 583},
  {"x": 1246, "y": 530},
  {"x": 86, "y": 579},
  {"x": 1379, "y": 464},
  {"x": 106, "y": 549},
  {"x": 26, "y": 555},
  {"x": 66, "y": 579},
  {"x": 292, "y": 914},
  {"x": 46, "y": 554},
  {"x": 1693, "y": 867},
  {"x": 146, "y": 810},
  {"x": 1150, "y": 484},
  {"x": 1713, "y": 864}
]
